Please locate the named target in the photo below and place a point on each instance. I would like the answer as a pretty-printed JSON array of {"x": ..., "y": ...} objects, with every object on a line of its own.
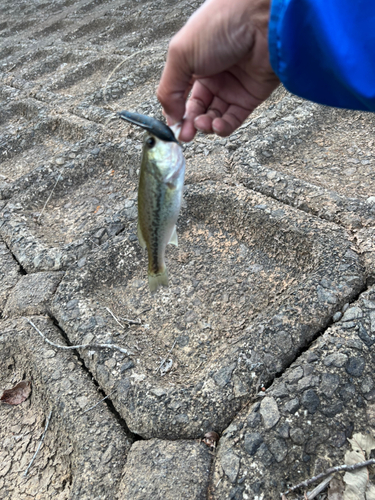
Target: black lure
[{"x": 155, "y": 127}]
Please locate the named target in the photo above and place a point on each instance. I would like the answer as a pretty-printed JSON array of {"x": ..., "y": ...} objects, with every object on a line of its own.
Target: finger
[
  {"x": 204, "y": 122},
  {"x": 187, "y": 132},
  {"x": 200, "y": 100},
  {"x": 217, "y": 108},
  {"x": 197, "y": 104},
  {"x": 229, "y": 108},
  {"x": 230, "y": 121},
  {"x": 175, "y": 82}
]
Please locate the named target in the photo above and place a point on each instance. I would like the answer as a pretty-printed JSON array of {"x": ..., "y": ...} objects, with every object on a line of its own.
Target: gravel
[{"x": 268, "y": 327}]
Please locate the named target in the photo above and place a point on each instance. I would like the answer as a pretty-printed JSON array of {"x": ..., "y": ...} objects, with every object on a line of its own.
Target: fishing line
[{"x": 117, "y": 67}]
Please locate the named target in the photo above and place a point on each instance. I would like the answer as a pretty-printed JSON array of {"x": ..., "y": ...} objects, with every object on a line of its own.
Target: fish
[{"x": 161, "y": 182}]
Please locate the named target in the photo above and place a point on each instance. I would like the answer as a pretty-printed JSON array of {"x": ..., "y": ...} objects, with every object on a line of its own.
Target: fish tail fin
[{"x": 154, "y": 280}]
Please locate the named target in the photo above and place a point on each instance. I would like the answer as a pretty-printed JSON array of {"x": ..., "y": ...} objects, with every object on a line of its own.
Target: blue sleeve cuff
[
  {"x": 274, "y": 41},
  {"x": 324, "y": 50}
]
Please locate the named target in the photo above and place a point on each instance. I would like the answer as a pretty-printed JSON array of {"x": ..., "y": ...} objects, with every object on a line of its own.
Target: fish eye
[{"x": 150, "y": 142}]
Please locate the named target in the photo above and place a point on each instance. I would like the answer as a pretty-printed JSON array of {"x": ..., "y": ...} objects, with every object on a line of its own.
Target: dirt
[{"x": 266, "y": 329}]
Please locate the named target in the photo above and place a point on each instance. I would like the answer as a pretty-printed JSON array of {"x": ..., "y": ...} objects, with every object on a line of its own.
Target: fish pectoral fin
[
  {"x": 140, "y": 237},
  {"x": 173, "y": 240},
  {"x": 170, "y": 179},
  {"x": 154, "y": 280}
]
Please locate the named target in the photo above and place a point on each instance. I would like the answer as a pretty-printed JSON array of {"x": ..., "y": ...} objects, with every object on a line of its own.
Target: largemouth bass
[{"x": 161, "y": 183}]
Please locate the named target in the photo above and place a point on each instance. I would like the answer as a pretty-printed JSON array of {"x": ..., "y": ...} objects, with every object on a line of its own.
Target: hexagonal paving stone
[
  {"x": 84, "y": 451},
  {"x": 300, "y": 425},
  {"x": 251, "y": 283},
  {"x": 32, "y": 294},
  {"x": 169, "y": 470}
]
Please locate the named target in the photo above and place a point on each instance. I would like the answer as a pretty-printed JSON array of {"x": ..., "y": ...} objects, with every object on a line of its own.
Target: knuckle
[{"x": 174, "y": 47}]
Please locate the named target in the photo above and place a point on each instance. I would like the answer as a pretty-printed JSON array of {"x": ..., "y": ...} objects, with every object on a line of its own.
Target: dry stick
[
  {"x": 92, "y": 241},
  {"x": 339, "y": 468},
  {"x": 83, "y": 346},
  {"x": 10, "y": 69},
  {"x": 165, "y": 359},
  {"x": 197, "y": 368},
  {"x": 49, "y": 197},
  {"x": 321, "y": 487},
  {"x": 6, "y": 178},
  {"x": 132, "y": 321},
  {"x": 40, "y": 444},
  {"x": 114, "y": 317},
  {"x": 107, "y": 396}
]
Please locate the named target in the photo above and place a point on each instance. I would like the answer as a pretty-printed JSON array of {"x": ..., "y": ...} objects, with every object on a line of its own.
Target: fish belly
[{"x": 158, "y": 209}]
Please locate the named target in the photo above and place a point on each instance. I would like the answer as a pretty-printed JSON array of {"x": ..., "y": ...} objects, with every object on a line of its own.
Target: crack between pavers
[
  {"x": 23, "y": 271},
  {"x": 210, "y": 485},
  {"x": 107, "y": 401},
  {"x": 318, "y": 334},
  {"x": 309, "y": 212},
  {"x": 301, "y": 350},
  {"x": 136, "y": 437}
]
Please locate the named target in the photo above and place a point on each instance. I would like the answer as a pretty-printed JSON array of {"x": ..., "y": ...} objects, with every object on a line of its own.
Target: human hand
[{"x": 221, "y": 54}]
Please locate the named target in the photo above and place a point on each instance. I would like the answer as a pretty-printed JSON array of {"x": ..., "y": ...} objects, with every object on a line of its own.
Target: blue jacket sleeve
[{"x": 324, "y": 50}]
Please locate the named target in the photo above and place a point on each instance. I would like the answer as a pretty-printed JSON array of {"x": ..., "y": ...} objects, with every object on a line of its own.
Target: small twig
[
  {"x": 6, "y": 178},
  {"x": 197, "y": 368},
  {"x": 114, "y": 317},
  {"x": 92, "y": 241},
  {"x": 49, "y": 197},
  {"x": 321, "y": 487},
  {"x": 40, "y": 444},
  {"x": 322, "y": 475},
  {"x": 107, "y": 396},
  {"x": 10, "y": 69},
  {"x": 234, "y": 341},
  {"x": 132, "y": 321},
  {"x": 165, "y": 359},
  {"x": 83, "y": 346}
]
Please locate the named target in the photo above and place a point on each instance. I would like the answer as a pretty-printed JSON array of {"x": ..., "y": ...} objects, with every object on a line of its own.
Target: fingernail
[{"x": 170, "y": 120}]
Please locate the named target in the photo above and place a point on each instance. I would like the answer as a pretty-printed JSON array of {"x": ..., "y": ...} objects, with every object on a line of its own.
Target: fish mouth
[{"x": 155, "y": 127}]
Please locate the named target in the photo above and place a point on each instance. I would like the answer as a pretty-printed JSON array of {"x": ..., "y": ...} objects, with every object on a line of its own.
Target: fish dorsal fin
[
  {"x": 140, "y": 237},
  {"x": 173, "y": 240}
]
